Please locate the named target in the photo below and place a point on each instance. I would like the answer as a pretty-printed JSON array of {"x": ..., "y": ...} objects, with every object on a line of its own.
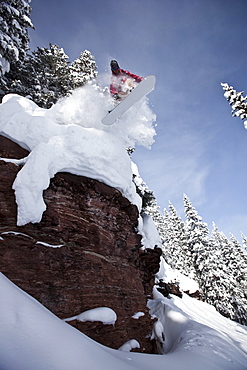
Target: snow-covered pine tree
[
  {"x": 197, "y": 236},
  {"x": 235, "y": 267},
  {"x": 244, "y": 244},
  {"x": 217, "y": 264},
  {"x": 149, "y": 202},
  {"x": 239, "y": 254},
  {"x": 209, "y": 267},
  {"x": 237, "y": 101},
  {"x": 167, "y": 238},
  {"x": 148, "y": 198},
  {"x": 223, "y": 285},
  {"x": 45, "y": 75},
  {"x": 175, "y": 249},
  {"x": 239, "y": 274},
  {"x": 151, "y": 208},
  {"x": 21, "y": 79},
  {"x": 14, "y": 39},
  {"x": 52, "y": 75},
  {"x": 83, "y": 69},
  {"x": 215, "y": 284}
]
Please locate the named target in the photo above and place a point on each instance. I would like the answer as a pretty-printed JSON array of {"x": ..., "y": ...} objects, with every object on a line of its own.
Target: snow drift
[
  {"x": 70, "y": 137},
  {"x": 196, "y": 337}
]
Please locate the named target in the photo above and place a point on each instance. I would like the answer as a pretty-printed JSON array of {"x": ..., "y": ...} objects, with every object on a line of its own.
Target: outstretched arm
[{"x": 135, "y": 77}]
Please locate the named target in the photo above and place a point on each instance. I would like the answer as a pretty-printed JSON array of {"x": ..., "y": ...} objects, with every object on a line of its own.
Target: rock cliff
[{"x": 85, "y": 253}]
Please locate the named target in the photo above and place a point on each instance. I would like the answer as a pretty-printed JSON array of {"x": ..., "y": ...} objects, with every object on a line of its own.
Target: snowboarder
[{"x": 122, "y": 81}]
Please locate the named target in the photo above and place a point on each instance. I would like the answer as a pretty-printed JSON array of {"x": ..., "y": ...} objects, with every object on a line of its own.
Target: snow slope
[{"x": 33, "y": 338}]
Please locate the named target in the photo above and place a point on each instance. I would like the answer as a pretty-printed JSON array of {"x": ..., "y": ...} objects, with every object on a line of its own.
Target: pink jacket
[{"x": 119, "y": 79}]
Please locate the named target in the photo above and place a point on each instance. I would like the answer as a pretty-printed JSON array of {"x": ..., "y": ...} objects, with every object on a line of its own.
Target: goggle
[{"x": 115, "y": 68}]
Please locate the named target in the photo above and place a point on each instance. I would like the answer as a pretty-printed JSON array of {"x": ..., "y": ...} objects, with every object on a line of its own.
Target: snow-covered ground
[
  {"x": 196, "y": 337},
  {"x": 70, "y": 137}
]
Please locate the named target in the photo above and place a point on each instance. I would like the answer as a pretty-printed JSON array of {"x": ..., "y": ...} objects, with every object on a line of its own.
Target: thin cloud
[{"x": 183, "y": 169}]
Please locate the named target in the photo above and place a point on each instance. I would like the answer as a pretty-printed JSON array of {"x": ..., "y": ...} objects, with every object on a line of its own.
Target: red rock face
[{"x": 98, "y": 262}]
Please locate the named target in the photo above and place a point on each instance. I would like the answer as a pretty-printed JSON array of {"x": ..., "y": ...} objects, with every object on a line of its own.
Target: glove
[{"x": 116, "y": 96}]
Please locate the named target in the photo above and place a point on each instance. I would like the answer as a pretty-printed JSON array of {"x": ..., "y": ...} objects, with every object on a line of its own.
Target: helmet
[
  {"x": 114, "y": 63},
  {"x": 115, "y": 67}
]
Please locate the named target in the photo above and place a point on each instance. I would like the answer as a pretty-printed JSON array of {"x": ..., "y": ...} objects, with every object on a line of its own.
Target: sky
[{"x": 191, "y": 46}]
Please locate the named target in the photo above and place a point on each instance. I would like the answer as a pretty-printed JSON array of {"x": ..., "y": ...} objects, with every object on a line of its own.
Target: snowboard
[{"x": 142, "y": 89}]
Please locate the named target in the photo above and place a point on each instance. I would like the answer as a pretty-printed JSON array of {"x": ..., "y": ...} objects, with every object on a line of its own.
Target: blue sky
[{"x": 191, "y": 46}]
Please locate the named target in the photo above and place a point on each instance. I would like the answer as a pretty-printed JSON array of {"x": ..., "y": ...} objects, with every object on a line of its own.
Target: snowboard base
[{"x": 142, "y": 89}]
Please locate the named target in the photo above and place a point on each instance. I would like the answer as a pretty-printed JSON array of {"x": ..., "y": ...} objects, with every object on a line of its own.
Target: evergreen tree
[
  {"x": 14, "y": 39},
  {"x": 224, "y": 284},
  {"x": 149, "y": 202},
  {"x": 244, "y": 241},
  {"x": 237, "y": 101},
  {"x": 151, "y": 208},
  {"x": 239, "y": 255},
  {"x": 45, "y": 75},
  {"x": 21, "y": 79},
  {"x": 218, "y": 292},
  {"x": 197, "y": 236},
  {"x": 175, "y": 245},
  {"x": 51, "y": 73},
  {"x": 167, "y": 244},
  {"x": 148, "y": 199},
  {"x": 210, "y": 261},
  {"x": 216, "y": 263},
  {"x": 235, "y": 265},
  {"x": 83, "y": 69}
]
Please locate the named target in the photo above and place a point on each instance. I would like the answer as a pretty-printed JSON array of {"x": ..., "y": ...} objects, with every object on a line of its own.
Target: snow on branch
[{"x": 237, "y": 101}]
